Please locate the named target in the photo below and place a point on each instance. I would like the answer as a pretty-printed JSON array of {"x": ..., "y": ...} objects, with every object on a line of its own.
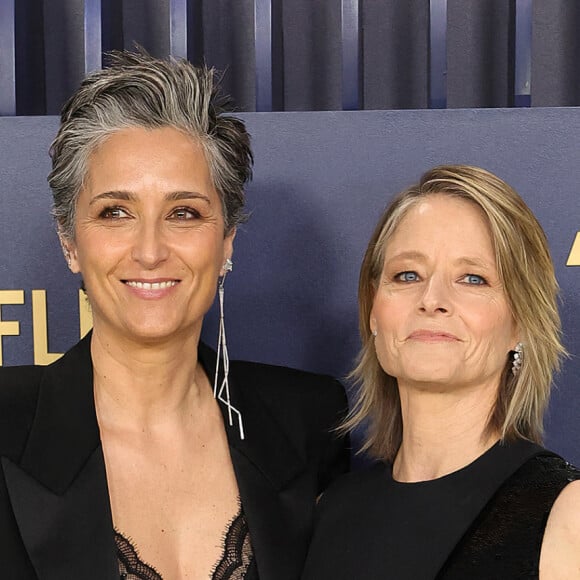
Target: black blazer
[{"x": 55, "y": 516}]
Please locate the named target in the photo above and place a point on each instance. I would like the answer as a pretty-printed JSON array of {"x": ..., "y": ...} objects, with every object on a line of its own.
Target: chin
[
  {"x": 421, "y": 367},
  {"x": 153, "y": 333},
  {"x": 429, "y": 375}
]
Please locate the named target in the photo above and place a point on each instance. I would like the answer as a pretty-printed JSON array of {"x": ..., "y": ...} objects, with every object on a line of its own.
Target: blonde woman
[{"x": 461, "y": 336}]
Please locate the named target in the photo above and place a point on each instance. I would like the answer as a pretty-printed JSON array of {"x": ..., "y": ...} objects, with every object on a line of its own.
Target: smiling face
[
  {"x": 440, "y": 312},
  {"x": 149, "y": 235}
]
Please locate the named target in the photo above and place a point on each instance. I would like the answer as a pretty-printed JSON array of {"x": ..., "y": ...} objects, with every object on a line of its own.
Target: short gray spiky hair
[{"x": 137, "y": 90}]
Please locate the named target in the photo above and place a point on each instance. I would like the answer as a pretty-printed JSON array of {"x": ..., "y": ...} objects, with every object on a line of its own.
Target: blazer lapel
[
  {"x": 66, "y": 535},
  {"x": 277, "y": 502},
  {"x": 58, "y": 490}
]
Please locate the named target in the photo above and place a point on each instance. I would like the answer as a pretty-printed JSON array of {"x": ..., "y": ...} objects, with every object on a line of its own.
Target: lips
[{"x": 432, "y": 336}]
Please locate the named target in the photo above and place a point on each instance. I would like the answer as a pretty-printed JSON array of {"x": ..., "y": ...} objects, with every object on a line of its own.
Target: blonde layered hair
[{"x": 526, "y": 271}]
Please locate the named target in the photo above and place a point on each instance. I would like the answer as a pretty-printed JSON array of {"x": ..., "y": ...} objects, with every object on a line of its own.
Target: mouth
[
  {"x": 141, "y": 285},
  {"x": 432, "y": 336}
]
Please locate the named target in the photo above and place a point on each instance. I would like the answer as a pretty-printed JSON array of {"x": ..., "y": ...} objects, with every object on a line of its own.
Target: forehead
[
  {"x": 441, "y": 222},
  {"x": 137, "y": 155}
]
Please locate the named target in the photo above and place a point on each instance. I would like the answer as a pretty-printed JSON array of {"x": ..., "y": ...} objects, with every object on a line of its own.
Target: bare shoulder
[{"x": 560, "y": 555}]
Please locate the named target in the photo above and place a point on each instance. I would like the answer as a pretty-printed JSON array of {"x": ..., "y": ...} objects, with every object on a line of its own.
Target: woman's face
[
  {"x": 149, "y": 235},
  {"x": 440, "y": 311}
]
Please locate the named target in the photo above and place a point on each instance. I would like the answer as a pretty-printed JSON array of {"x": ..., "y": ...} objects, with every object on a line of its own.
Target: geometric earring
[{"x": 222, "y": 391}]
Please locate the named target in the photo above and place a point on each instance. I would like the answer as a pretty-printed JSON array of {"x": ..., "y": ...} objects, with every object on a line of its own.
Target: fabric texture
[
  {"x": 505, "y": 540},
  {"x": 131, "y": 567},
  {"x": 236, "y": 559},
  {"x": 485, "y": 521}
]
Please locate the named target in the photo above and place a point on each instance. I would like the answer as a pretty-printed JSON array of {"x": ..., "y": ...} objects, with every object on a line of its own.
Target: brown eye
[
  {"x": 184, "y": 213},
  {"x": 113, "y": 213}
]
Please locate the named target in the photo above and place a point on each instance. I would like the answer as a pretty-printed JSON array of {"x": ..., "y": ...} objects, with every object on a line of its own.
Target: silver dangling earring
[
  {"x": 517, "y": 361},
  {"x": 222, "y": 392}
]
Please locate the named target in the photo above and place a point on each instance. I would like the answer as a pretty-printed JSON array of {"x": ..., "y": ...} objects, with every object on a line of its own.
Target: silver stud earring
[
  {"x": 517, "y": 359},
  {"x": 221, "y": 390},
  {"x": 375, "y": 332}
]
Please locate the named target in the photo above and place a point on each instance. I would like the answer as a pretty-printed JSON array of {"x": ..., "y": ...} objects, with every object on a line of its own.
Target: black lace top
[
  {"x": 506, "y": 539},
  {"x": 236, "y": 563},
  {"x": 483, "y": 522}
]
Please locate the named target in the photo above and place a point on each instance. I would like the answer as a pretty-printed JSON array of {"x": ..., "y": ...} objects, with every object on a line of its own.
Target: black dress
[{"x": 485, "y": 521}]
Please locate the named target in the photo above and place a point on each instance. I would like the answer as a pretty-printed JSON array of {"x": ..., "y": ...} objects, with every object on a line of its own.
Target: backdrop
[
  {"x": 394, "y": 41},
  {"x": 321, "y": 181}
]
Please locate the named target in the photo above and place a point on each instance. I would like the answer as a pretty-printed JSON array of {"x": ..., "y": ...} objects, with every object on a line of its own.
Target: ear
[
  {"x": 69, "y": 249},
  {"x": 373, "y": 324},
  {"x": 228, "y": 248}
]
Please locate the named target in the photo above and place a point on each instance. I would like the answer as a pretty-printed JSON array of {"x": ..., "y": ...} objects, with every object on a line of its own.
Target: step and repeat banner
[{"x": 321, "y": 181}]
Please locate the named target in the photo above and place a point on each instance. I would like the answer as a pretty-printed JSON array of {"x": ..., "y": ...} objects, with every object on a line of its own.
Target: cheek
[
  {"x": 390, "y": 358},
  {"x": 388, "y": 317},
  {"x": 203, "y": 255},
  {"x": 97, "y": 258},
  {"x": 388, "y": 314},
  {"x": 493, "y": 326}
]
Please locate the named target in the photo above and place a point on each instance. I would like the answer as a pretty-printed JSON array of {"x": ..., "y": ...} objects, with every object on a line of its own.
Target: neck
[
  {"x": 141, "y": 385},
  {"x": 442, "y": 432}
]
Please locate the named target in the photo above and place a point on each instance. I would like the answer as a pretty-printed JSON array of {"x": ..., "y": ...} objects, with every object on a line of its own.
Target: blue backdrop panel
[{"x": 321, "y": 181}]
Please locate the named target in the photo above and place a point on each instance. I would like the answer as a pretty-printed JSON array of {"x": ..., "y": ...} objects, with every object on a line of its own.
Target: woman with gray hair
[
  {"x": 143, "y": 454},
  {"x": 461, "y": 335}
]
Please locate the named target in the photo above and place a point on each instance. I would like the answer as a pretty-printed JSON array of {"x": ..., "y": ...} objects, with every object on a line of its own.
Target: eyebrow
[
  {"x": 171, "y": 196},
  {"x": 466, "y": 260},
  {"x": 473, "y": 262},
  {"x": 409, "y": 255}
]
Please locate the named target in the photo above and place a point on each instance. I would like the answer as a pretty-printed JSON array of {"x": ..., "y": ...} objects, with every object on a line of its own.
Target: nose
[
  {"x": 150, "y": 246},
  {"x": 436, "y": 297}
]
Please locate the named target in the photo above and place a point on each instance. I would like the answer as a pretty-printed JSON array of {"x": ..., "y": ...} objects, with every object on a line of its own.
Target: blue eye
[
  {"x": 408, "y": 276},
  {"x": 474, "y": 279}
]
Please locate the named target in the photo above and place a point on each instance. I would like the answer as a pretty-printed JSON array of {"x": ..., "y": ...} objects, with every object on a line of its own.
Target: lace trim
[
  {"x": 236, "y": 557},
  {"x": 131, "y": 567}
]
